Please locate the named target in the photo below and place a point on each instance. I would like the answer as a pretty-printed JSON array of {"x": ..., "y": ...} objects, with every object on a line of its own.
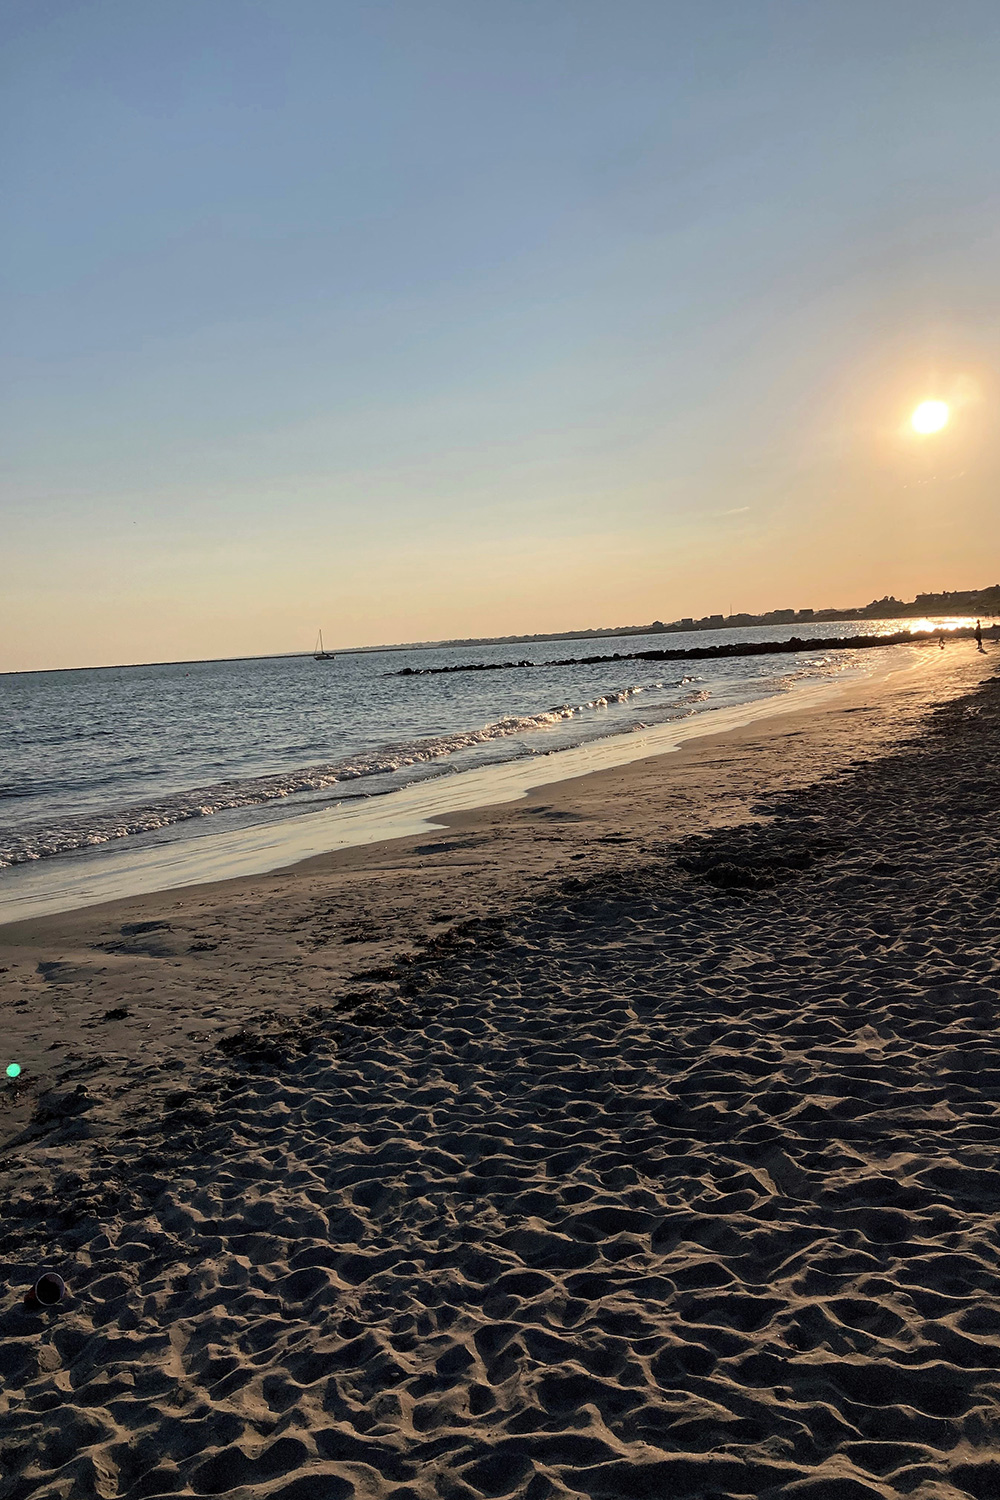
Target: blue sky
[{"x": 416, "y": 320}]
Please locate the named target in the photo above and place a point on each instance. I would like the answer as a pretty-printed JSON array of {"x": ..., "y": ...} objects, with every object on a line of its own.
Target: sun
[{"x": 930, "y": 416}]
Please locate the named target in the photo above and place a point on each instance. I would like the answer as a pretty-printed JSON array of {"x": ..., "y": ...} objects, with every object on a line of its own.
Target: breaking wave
[{"x": 19, "y": 846}]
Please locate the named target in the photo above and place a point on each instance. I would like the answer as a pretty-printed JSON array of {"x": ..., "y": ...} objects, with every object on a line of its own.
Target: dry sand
[{"x": 638, "y": 1139}]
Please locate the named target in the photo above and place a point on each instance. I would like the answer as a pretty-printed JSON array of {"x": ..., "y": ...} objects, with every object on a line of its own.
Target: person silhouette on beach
[
  {"x": 979, "y": 638},
  {"x": 941, "y": 641}
]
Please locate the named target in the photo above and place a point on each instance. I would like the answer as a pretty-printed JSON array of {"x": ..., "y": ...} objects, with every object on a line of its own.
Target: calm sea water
[{"x": 138, "y": 753}]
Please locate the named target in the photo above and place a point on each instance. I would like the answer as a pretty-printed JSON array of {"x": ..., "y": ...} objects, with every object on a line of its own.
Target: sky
[{"x": 422, "y": 319}]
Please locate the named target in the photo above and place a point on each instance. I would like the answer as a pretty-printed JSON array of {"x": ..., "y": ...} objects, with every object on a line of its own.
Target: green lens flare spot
[{"x": 13, "y": 1070}]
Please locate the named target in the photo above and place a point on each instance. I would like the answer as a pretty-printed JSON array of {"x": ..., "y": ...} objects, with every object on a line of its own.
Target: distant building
[
  {"x": 960, "y": 601},
  {"x": 887, "y": 605}
]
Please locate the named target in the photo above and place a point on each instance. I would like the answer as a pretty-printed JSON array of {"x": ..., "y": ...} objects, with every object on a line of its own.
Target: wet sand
[{"x": 638, "y": 1138}]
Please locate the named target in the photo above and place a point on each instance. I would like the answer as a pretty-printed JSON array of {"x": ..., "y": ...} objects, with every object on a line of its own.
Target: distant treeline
[
  {"x": 700, "y": 653},
  {"x": 982, "y": 602}
]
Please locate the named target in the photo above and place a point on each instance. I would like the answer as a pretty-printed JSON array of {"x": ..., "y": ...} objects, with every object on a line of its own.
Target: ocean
[{"x": 132, "y": 757}]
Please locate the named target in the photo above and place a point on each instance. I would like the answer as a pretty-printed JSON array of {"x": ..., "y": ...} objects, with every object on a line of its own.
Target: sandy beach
[{"x": 637, "y": 1138}]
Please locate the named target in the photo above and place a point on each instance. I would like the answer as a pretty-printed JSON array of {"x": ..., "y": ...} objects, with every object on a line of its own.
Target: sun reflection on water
[{"x": 954, "y": 622}]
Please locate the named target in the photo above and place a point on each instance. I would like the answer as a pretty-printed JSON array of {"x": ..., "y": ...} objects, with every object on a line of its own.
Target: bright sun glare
[{"x": 930, "y": 416}]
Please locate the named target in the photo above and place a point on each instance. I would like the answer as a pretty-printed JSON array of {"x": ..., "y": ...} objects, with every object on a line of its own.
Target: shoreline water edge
[
  {"x": 641, "y": 1137},
  {"x": 307, "y": 814},
  {"x": 142, "y": 756}
]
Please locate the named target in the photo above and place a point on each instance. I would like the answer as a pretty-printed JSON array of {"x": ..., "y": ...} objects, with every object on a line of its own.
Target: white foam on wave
[{"x": 19, "y": 846}]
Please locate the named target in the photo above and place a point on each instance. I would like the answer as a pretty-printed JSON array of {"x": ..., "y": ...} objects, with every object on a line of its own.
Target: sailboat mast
[{"x": 321, "y": 653}]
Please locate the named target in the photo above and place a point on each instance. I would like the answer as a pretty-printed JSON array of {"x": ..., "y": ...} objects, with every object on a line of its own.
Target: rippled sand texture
[{"x": 682, "y": 1181}]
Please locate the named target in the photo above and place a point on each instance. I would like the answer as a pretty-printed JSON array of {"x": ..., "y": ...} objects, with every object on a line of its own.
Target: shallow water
[{"x": 102, "y": 755}]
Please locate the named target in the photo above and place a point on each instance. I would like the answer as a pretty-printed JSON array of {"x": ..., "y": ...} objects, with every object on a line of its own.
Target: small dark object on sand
[
  {"x": 727, "y": 876},
  {"x": 46, "y": 1292}
]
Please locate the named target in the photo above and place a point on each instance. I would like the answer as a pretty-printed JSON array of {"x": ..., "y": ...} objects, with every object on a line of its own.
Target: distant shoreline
[{"x": 732, "y": 622}]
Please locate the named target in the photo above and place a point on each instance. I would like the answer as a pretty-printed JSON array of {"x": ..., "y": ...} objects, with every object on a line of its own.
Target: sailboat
[{"x": 319, "y": 654}]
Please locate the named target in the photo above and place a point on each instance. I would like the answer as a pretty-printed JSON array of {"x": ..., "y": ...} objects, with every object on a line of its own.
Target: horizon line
[{"x": 594, "y": 633}]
